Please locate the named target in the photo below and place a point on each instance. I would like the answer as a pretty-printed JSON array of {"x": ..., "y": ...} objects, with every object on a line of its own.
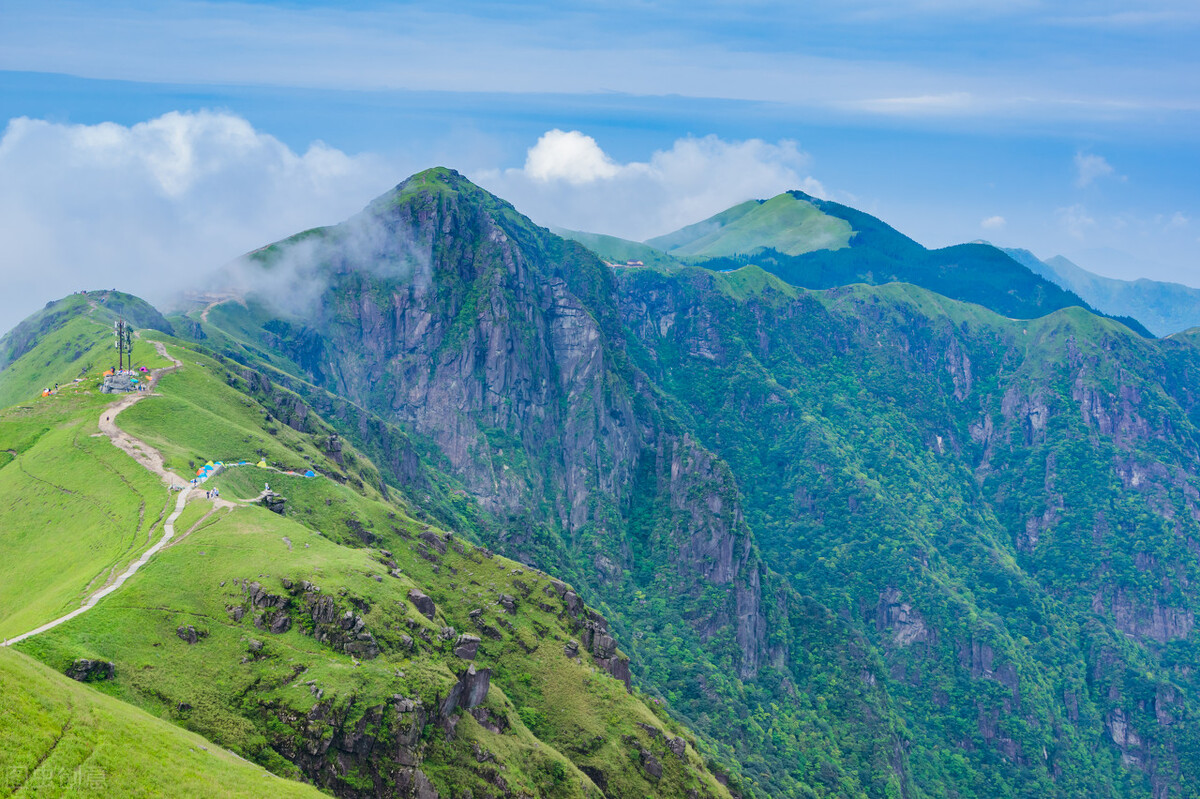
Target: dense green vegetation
[
  {"x": 909, "y": 483},
  {"x": 869, "y": 478}
]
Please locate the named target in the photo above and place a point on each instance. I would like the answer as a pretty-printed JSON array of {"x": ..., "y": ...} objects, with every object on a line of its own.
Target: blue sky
[{"x": 147, "y": 142}]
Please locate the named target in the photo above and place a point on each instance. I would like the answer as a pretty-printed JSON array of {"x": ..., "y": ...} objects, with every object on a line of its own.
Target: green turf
[
  {"x": 74, "y": 509},
  {"x": 751, "y": 281},
  {"x": 199, "y": 418},
  {"x": 62, "y": 738},
  {"x": 616, "y": 250},
  {"x": 80, "y": 346},
  {"x": 785, "y": 223}
]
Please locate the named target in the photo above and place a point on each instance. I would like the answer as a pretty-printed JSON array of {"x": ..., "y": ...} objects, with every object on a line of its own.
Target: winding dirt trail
[{"x": 152, "y": 460}]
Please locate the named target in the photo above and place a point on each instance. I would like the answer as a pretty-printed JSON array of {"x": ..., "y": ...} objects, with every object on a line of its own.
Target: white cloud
[
  {"x": 569, "y": 156},
  {"x": 1089, "y": 167},
  {"x": 569, "y": 181},
  {"x": 153, "y": 207},
  {"x": 1075, "y": 220},
  {"x": 993, "y": 223}
]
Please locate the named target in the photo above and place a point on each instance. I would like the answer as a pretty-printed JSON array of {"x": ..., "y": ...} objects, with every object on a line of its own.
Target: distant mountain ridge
[
  {"x": 1164, "y": 308},
  {"x": 819, "y": 244}
]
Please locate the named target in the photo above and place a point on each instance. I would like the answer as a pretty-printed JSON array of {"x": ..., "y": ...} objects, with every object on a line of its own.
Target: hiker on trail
[{"x": 266, "y": 487}]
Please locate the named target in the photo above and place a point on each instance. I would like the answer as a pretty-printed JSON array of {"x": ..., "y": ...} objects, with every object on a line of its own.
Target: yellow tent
[{"x": 262, "y": 464}]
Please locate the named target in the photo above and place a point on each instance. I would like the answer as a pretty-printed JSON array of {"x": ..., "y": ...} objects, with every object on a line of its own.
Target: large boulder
[
  {"x": 423, "y": 604},
  {"x": 85, "y": 670},
  {"x": 467, "y": 646},
  {"x": 470, "y": 691}
]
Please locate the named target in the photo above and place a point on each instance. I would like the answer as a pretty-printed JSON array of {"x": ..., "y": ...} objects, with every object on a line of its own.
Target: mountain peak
[
  {"x": 789, "y": 223},
  {"x": 448, "y": 187}
]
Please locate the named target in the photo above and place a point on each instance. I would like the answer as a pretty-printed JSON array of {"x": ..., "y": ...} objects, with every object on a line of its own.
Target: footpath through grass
[
  {"x": 199, "y": 417},
  {"x": 74, "y": 510}
]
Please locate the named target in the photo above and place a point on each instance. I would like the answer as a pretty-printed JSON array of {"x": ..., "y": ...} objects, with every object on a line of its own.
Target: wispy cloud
[
  {"x": 1075, "y": 220},
  {"x": 993, "y": 223},
  {"x": 1090, "y": 167},
  {"x": 923, "y": 105}
]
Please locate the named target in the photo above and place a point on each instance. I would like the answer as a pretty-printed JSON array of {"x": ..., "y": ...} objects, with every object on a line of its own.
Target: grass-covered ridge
[
  {"x": 61, "y": 738},
  {"x": 68, "y": 339},
  {"x": 787, "y": 223},
  {"x": 73, "y": 508},
  {"x": 274, "y": 673}
]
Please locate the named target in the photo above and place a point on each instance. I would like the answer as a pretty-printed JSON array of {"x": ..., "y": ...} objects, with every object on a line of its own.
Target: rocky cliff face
[
  {"x": 988, "y": 528},
  {"x": 501, "y": 344}
]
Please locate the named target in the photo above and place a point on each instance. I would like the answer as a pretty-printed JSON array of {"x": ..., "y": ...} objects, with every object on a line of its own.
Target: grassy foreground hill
[
  {"x": 61, "y": 738},
  {"x": 331, "y": 637}
]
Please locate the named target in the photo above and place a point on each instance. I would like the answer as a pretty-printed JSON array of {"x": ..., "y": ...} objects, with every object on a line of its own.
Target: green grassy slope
[
  {"x": 787, "y": 223},
  {"x": 73, "y": 508},
  {"x": 819, "y": 244},
  {"x": 303, "y": 701},
  {"x": 61, "y": 738},
  {"x": 71, "y": 338},
  {"x": 617, "y": 250},
  {"x": 197, "y": 419}
]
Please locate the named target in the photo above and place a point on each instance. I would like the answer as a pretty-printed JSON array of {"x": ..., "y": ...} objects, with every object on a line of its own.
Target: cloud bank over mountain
[
  {"x": 151, "y": 207},
  {"x": 157, "y": 206}
]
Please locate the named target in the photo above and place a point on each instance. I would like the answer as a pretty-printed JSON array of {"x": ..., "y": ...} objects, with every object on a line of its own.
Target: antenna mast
[{"x": 124, "y": 335}]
